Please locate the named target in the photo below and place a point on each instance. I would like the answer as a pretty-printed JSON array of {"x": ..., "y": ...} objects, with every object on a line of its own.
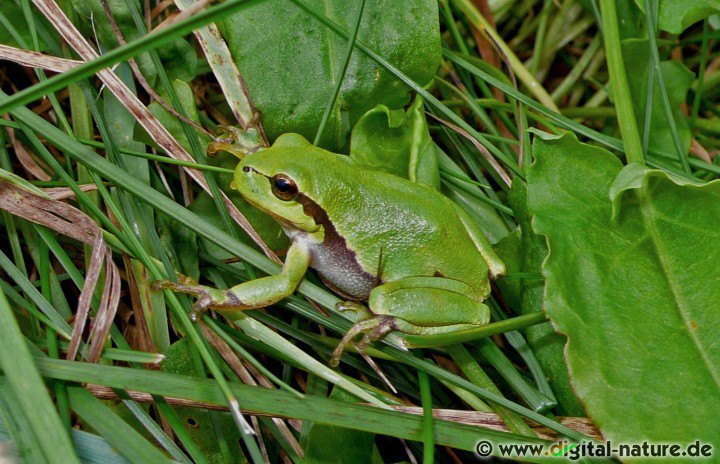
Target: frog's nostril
[{"x": 246, "y": 169}]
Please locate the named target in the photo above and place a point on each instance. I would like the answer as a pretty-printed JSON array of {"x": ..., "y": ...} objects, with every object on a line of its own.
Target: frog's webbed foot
[
  {"x": 235, "y": 140},
  {"x": 372, "y": 329}
]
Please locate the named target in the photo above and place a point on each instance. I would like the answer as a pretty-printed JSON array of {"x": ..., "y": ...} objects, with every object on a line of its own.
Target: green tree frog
[{"x": 417, "y": 259}]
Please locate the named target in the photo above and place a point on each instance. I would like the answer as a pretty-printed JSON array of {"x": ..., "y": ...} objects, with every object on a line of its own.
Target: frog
[{"x": 401, "y": 255}]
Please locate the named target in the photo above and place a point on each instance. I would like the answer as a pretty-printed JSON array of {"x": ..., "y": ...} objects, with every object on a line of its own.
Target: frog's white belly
[{"x": 336, "y": 264}]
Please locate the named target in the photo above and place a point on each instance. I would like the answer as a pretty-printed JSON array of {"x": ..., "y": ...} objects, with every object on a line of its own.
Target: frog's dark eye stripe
[{"x": 284, "y": 187}]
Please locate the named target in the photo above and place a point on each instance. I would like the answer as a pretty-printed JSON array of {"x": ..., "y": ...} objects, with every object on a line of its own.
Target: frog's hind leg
[
  {"x": 419, "y": 306},
  {"x": 427, "y": 305}
]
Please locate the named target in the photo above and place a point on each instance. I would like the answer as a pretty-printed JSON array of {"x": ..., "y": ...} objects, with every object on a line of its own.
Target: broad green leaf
[
  {"x": 631, "y": 20},
  {"x": 290, "y": 62},
  {"x": 636, "y": 54},
  {"x": 675, "y": 16},
  {"x": 546, "y": 343},
  {"x": 397, "y": 142},
  {"x": 636, "y": 294}
]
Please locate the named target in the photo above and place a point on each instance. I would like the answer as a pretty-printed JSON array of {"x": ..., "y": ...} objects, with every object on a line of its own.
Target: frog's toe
[
  {"x": 181, "y": 287},
  {"x": 359, "y": 311},
  {"x": 201, "y": 306},
  {"x": 372, "y": 329},
  {"x": 215, "y": 147},
  {"x": 163, "y": 284},
  {"x": 187, "y": 280},
  {"x": 343, "y": 306}
]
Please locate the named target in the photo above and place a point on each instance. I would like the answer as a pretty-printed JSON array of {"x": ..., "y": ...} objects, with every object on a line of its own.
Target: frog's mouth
[{"x": 256, "y": 188}]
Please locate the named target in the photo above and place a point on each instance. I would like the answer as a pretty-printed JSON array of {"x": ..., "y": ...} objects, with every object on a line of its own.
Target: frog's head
[{"x": 278, "y": 179}]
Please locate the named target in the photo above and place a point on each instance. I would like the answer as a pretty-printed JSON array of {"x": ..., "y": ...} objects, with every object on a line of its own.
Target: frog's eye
[{"x": 284, "y": 187}]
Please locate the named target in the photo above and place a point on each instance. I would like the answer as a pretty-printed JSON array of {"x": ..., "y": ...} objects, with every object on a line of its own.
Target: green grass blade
[
  {"x": 156, "y": 431},
  {"x": 59, "y": 324},
  {"x": 475, "y": 373},
  {"x": 497, "y": 359},
  {"x": 25, "y": 381},
  {"x": 93, "y": 449},
  {"x": 427, "y": 423},
  {"x": 494, "y": 328},
  {"x": 21, "y": 434},
  {"x": 650, "y": 22},
  {"x": 116, "y": 431}
]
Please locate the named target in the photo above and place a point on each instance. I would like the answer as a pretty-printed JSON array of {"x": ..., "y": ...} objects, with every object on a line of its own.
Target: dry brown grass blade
[
  {"x": 25, "y": 158},
  {"x": 36, "y": 60},
  {"x": 701, "y": 152},
  {"x": 63, "y": 193},
  {"x": 145, "y": 118},
  {"x": 92, "y": 277},
  {"x": 70, "y": 221},
  {"x": 106, "y": 312},
  {"x": 492, "y": 421},
  {"x": 186, "y": 13},
  {"x": 54, "y": 214}
]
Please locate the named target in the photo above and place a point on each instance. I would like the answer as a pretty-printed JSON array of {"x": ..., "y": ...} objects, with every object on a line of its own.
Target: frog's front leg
[
  {"x": 418, "y": 306},
  {"x": 248, "y": 295}
]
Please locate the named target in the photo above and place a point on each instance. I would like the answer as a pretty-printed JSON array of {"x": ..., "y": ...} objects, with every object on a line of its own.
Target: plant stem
[{"x": 619, "y": 83}]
